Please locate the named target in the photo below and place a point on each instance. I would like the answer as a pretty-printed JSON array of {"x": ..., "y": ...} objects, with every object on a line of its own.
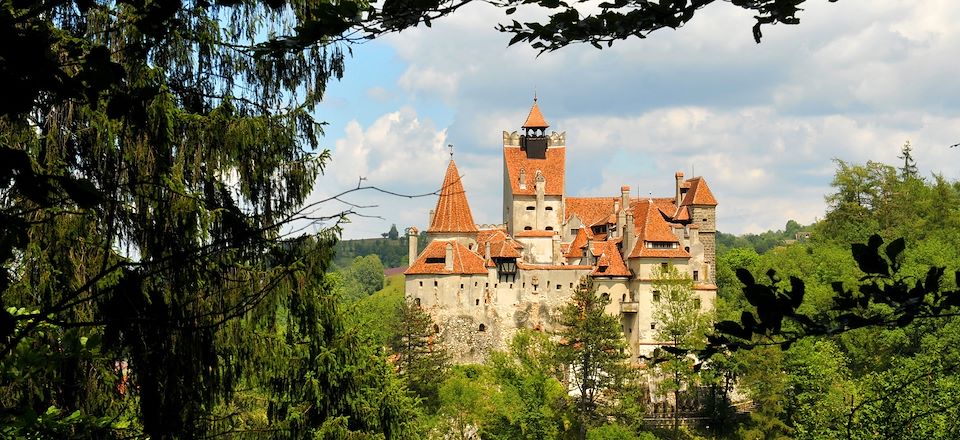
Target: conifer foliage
[
  {"x": 421, "y": 360},
  {"x": 151, "y": 156},
  {"x": 593, "y": 349}
]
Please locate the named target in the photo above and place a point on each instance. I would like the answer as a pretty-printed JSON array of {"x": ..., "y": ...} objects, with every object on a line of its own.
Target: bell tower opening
[{"x": 534, "y": 139}]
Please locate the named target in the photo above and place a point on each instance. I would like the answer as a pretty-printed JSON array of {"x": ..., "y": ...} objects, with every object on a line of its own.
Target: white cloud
[{"x": 762, "y": 123}]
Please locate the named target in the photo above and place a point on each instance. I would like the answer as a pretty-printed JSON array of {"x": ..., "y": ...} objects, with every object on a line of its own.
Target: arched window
[
  {"x": 482, "y": 328},
  {"x": 416, "y": 302},
  {"x": 528, "y": 228},
  {"x": 549, "y": 228}
]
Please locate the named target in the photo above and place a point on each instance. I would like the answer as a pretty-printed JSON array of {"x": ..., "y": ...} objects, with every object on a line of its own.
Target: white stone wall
[
  {"x": 537, "y": 249},
  {"x": 532, "y": 300},
  {"x": 547, "y": 217}
]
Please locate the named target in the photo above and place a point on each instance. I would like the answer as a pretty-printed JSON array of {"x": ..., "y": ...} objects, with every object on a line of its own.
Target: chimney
[
  {"x": 448, "y": 257},
  {"x": 679, "y": 177},
  {"x": 588, "y": 253},
  {"x": 411, "y": 245},
  {"x": 486, "y": 252},
  {"x": 433, "y": 212},
  {"x": 622, "y": 223},
  {"x": 556, "y": 249},
  {"x": 628, "y": 236}
]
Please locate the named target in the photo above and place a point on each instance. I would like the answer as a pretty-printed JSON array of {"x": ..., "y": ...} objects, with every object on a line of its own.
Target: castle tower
[
  {"x": 533, "y": 178},
  {"x": 699, "y": 202}
]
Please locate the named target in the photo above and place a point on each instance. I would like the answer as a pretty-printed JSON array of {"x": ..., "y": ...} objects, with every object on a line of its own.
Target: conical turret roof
[
  {"x": 453, "y": 212},
  {"x": 535, "y": 118}
]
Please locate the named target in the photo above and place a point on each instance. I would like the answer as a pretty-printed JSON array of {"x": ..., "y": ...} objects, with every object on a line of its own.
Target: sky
[{"x": 762, "y": 123}]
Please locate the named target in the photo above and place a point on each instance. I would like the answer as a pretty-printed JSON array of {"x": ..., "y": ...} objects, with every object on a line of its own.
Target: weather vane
[{"x": 450, "y": 146}]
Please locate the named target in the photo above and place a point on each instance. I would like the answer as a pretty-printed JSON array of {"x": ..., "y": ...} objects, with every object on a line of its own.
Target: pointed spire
[
  {"x": 535, "y": 118},
  {"x": 453, "y": 211}
]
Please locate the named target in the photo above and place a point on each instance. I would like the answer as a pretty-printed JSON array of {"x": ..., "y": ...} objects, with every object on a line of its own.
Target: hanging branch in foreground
[{"x": 777, "y": 320}]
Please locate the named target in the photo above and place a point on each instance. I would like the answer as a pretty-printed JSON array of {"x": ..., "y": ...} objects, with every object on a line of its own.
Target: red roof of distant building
[{"x": 453, "y": 211}]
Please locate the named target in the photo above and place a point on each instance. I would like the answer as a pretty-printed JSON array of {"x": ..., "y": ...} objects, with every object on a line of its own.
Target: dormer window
[{"x": 662, "y": 245}]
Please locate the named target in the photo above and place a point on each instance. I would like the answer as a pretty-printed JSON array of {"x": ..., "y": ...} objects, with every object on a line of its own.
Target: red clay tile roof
[
  {"x": 578, "y": 243},
  {"x": 590, "y": 210},
  {"x": 464, "y": 260},
  {"x": 552, "y": 168},
  {"x": 535, "y": 118},
  {"x": 530, "y": 266},
  {"x": 610, "y": 263},
  {"x": 501, "y": 245},
  {"x": 699, "y": 193},
  {"x": 503, "y": 250},
  {"x": 652, "y": 227},
  {"x": 535, "y": 233},
  {"x": 453, "y": 211}
]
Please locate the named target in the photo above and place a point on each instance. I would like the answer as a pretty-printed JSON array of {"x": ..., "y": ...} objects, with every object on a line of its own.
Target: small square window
[
  {"x": 478, "y": 302},
  {"x": 558, "y": 287},
  {"x": 696, "y": 275},
  {"x": 656, "y": 296},
  {"x": 461, "y": 285},
  {"x": 434, "y": 283},
  {"x": 421, "y": 284},
  {"x": 653, "y": 326}
]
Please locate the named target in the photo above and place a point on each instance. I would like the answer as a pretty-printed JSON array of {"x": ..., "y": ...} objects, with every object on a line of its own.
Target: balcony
[{"x": 629, "y": 307}]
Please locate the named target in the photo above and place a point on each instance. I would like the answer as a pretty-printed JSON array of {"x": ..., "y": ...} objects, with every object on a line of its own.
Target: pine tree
[
  {"x": 152, "y": 153},
  {"x": 593, "y": 349},
  {"x": 909, "y": 168},
  {"x": 421, "y": 360},
  {"x": 680, "y": 324}
]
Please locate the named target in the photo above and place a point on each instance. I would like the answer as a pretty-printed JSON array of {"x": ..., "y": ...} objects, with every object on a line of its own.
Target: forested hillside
[
  {"x": 894, "y": 380},
  {"x": 392, "y": 252}
]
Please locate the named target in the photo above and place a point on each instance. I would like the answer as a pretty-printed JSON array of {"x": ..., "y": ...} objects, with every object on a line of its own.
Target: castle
[{"x": 481, "y": 284}]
